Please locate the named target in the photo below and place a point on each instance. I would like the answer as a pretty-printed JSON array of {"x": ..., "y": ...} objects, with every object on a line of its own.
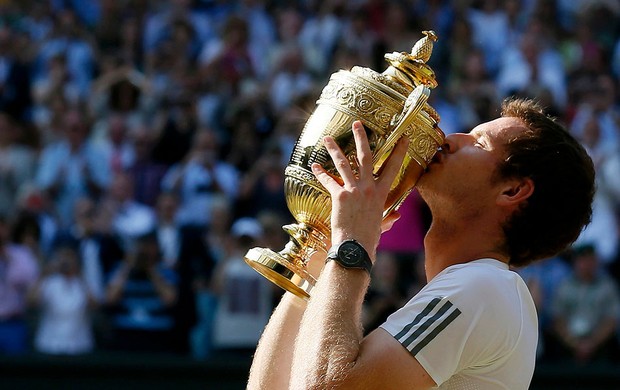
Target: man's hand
[{"x": 357, "y": 204}]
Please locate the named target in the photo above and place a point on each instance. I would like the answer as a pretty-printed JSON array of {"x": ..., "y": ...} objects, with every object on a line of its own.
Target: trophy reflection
[{"x": 391, "y": 104}]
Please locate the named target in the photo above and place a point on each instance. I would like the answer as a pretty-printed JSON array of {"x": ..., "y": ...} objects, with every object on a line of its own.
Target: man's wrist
[{"x": 350, "y": 254}]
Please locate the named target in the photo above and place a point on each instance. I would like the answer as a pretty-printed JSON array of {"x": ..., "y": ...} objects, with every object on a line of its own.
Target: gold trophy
[{"x": 391, "y": 104}]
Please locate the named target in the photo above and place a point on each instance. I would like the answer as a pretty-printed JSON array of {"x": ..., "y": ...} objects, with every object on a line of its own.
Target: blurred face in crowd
[
  {"x": 147, "y": 254},
  {"x": 166, "y": 207},
  {"x": 76, "y": 129},
  {"x": 117, "y": 129},
  {"x": 586, "y": 265},
  {"x": 85, "y": 214},
  {"x": 121, "y": 188},
  {"x": 67, "y": 261},
  {"x": 206, "y": 147},
  {"x": 142, "y": 143}
]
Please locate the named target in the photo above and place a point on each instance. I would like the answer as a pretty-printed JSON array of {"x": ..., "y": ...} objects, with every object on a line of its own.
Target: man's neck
[{"x": 448, "y": 244}]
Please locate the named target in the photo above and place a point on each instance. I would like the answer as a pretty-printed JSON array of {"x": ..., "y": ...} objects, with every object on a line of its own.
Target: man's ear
[{"x": 515, "y": 191}]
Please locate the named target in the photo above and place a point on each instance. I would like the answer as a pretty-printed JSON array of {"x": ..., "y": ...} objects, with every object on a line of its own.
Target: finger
[
  {"x": 364, "y": 155},
  {"x": 393, "y": 163},
  {"x": 340, "y": 161},
  {"x": 325, "y": 178}
]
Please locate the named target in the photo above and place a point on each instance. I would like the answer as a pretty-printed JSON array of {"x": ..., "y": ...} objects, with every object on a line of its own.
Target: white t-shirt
[
  {"x": 473, "y": 326},
  {"x": 65, "y": 326},
  {"x": 244, "y": 307}
]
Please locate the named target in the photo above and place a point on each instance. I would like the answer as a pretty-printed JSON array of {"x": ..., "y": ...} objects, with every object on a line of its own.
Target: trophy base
[{"x": 280, "y": 271}]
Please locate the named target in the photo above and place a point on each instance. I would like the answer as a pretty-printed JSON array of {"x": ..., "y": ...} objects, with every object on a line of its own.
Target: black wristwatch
[{"x": 350, "y": 254}]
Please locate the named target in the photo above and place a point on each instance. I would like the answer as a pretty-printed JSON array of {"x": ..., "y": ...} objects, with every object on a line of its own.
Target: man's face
[{"x": 462, "y": 173}]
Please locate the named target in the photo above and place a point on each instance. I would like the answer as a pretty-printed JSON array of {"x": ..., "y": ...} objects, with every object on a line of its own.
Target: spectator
[
  {"x": 175, "y": 128},
  {"x": 262, "y": 32},
  {"x": 319, "y": 36},
  {"x": 262, "y": 188},
  {"x": 99, "y": 252},
  {"x": 199, "y": 178},
  {"x": 400, "y": 30},
  {"x": 54, "y": 84},
  {"x": 196, "y": 303},
  {"x": 244, "y": 295},
  {"x": 358, "y": 38},
  {"x": 71, "y": 167},
  {"x": 17, "y": 163},
  {"x": 218, "y": 234},
  {"x": 69, "y": 43},
  {"x": 543, "y": 279},
  {"x": 598, "y": 106},
  {"x": 167, "y": 229},
  {"x": 490, "y": 31},
  {"x": 117, "y": 148},
  {"x": 141, "y": 293},
  {"x": 530, "y": 64},
  {"x": 161, "y": 25},
  {"x": 65, "y": 326},
  {"x": 217, "y": 241},
  {"x": 290, "y": 79},
  {"x": 129, "y": 218},
  {"x": 120, "y": 89},
  {"x": 27, "y": 232},
  {"x": 33, "y": 202},
  {"x": 15, "y": 77},
  {"x": 229, "y": 58},
  {"x": 586, "y": 308},
  {"x": 19, "y": 271},
  {"x": 473, "y": 91},
  {"x": 145, "y": 172}
]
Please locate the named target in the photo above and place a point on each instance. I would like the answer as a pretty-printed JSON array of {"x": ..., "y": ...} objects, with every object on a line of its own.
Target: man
[
  {"x": 585, "y": 310},
  {"x": 513, "y": 190}
]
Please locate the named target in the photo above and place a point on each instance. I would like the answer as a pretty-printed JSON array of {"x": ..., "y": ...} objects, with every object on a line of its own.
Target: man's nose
[{"x": 451, "y": 143}]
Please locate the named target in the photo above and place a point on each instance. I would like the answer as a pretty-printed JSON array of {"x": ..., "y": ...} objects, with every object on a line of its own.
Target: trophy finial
[
  {"x": 411, "y": 68},
  {"x": 423, "y": 48}
]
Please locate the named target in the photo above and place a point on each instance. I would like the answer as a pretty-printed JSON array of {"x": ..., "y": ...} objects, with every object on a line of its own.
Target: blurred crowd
[{"x": 143, "y": 146}]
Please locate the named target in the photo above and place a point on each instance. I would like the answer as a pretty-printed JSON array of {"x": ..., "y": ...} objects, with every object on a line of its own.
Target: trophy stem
[{"x": 287, "y": 268}]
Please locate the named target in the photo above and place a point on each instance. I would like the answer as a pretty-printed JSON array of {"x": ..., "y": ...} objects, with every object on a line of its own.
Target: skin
[{"x": 319, "y": 344}]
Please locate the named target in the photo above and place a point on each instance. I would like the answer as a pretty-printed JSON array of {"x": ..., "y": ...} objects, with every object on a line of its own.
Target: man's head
[
  {"x": 521, "y": 178},
  {"x": 560, "y": 206}
]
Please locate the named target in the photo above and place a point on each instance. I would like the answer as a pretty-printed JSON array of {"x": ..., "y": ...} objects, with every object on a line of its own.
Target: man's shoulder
[
  {"x": 485, "y": 287},
  {"x": 478, "y": 274}
]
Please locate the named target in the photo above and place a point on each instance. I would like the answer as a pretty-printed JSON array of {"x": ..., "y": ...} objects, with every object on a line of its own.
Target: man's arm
[
  {"x": 330, "y": 352},
  {"x": 271, "y": 367}
]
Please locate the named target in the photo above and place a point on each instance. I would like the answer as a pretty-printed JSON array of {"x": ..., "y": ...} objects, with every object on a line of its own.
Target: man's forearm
[
  {"x": 330, "y": 334},
  {"x": 271, "y": 367}
]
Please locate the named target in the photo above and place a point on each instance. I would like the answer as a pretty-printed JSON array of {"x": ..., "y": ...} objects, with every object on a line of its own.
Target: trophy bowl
[{"x": 390, "y": 104}]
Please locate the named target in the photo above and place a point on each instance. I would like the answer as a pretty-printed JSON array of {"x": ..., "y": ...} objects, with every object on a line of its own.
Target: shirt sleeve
[
  {"x": 424, "y": 326},
  {"x": 451, "y": 325}
]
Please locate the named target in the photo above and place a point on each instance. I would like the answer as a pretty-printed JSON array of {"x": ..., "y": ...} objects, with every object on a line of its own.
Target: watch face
[{"x": 350, "y": 253}]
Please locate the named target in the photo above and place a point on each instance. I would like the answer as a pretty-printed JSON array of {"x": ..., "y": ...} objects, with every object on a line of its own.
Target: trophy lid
[{"x": 411, "y": 68}]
